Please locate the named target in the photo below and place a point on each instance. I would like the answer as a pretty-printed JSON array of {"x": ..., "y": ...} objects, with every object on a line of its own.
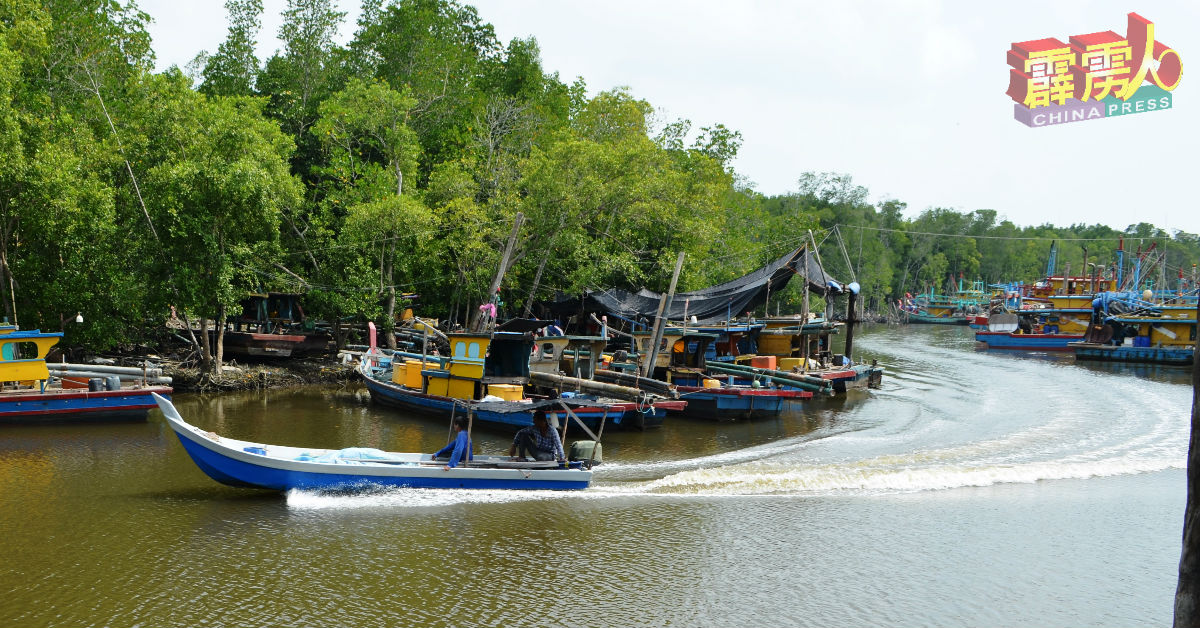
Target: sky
[{"x": 906, "y": 97}]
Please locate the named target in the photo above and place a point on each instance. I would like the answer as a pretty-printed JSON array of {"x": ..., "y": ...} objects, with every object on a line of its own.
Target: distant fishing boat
[
  {"x": 41, "y": 393},
  {"x": 1041, "y": 329},
  {"x": 281, "y": 468}
]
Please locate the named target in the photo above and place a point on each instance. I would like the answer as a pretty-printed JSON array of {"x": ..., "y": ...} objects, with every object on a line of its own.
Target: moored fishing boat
[
  {"x": 1127, "y": 329},
  {"x": 41, "y": 393},
  {"x": 486, "y": 374},
  {"x": 1142, "y": 339},
  {"x": 566, "y": 366},
  {"x": 1038, "y": 329},
  {"x": 684, "y": 363},
  {"x": 788, "y": 348},
  {"x": 281, "y": 468}
]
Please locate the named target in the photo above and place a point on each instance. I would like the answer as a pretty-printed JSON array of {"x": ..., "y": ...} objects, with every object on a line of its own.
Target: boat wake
[
  {"x": 932, "y": 430},
  {"x": 414, "y": 498}
]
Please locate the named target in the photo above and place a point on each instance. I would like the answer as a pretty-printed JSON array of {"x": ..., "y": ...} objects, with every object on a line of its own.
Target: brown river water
[{"x": 973, "y": 489}]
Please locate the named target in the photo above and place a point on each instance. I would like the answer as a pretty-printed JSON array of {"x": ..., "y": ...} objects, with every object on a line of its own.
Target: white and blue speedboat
[{"x": 281, "y": 468}]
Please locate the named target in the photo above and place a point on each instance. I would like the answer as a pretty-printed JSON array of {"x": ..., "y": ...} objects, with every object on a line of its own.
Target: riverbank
[
  {"x": 235, "y": 376},
  {"x": 283, "y": 374}
]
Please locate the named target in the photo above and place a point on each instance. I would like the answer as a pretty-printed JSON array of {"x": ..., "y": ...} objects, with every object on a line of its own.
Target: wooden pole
[
  {"x": 851, "y": 314},
  {"x": 1187, "y": 591},
  {"x": 470, "y": 445},
  {"x": 504, "y": 257},
  {"x": 659, "y": 323}
]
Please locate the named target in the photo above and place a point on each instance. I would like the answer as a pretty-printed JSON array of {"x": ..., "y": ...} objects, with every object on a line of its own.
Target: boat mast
[{"x": 663, "y": 304}]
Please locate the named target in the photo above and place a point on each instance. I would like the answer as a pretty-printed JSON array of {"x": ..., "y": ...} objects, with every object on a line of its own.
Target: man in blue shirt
[
  {"x": 538, "y": 441},
  {"x": 460, "y": 448}
]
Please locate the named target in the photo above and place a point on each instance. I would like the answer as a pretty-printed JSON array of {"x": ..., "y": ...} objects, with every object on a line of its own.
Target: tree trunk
[
  {"x": 1187, "y": 591},
  {"x": 389, "y": 329},
  {"x": 10, "y": 303},
  {"x": 219, "y": 325},
  {"x": 537, "y": 279},
  {"x": 206, "y": 361}
]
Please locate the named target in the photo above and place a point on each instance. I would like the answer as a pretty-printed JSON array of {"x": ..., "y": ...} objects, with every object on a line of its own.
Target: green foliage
[
  {"x": 396, "y": 164},
  {"x": 232, "y": 70}
]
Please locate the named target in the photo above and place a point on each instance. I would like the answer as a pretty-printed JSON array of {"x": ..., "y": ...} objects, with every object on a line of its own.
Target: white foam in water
[
  {"x": 408, "y": 498},
  {"x": 1083, "y": 425}
]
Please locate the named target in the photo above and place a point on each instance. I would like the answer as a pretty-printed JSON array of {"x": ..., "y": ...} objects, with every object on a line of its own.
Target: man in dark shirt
[{"x": 538, "y": 441}]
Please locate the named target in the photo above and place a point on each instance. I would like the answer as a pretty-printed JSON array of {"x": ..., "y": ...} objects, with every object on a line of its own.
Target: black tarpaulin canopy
[{"x": 714, "y": 303}]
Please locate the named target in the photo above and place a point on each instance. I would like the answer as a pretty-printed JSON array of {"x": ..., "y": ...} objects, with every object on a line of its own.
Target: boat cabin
[
  {"x": 482, "y": 364},
  {"x": 582, "y": 355},
  {"x": 23, "y": 356}
]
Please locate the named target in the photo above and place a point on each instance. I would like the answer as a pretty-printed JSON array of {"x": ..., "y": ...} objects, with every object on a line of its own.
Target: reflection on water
[{"x": 974, "y": 488}]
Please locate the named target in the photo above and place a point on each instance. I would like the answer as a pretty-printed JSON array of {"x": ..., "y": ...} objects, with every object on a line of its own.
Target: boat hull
[
  {"x": 75, "y": 405},
  {"x": 723, "y": 404},
  {"x": 254, "y": 345},
  {"x": 857, "y": 376},
  {"x": 1176, "y": 356},
  {"x": 235, "y": 463},
  {"x": 1026, "y": 342},
  {"x": 929, "y": 319}
]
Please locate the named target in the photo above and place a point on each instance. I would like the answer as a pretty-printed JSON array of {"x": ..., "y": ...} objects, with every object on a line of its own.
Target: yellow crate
[
  {"x": 471, "y": 370},
  {"x": 787, "y": 364},
  {"x": 508, "y": 392},
  {"x": 399, "y": 373},
  {"x": 438, "y": 386},
  {"x": 412, "y": 377},
  {"x": 461, "y": 388}
]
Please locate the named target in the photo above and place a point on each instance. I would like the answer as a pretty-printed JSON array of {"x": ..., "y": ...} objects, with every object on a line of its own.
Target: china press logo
[{"x": 1100, "y": 75}]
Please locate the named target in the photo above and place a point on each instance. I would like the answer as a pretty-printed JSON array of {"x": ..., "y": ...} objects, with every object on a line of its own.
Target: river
[{"x": 973, "y": 489}]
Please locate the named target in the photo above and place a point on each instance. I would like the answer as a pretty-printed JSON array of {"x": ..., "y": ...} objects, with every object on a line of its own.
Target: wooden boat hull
[
  {"x": 1026, "y": 342},
  {"x": 254, "y": 345},
  {"x": 917, "y": 317},
  {"x": 245, "y": 464},
  {"x": 58, "y": 405},
  {"x": 729, "y": 404},
  {"x": 857, "y": 376},
  {"x": 1173, "y": 355}
]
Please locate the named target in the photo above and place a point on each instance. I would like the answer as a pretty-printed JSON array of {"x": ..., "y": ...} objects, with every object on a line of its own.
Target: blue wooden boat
[
  {"x": 1152, "y": 334},
  {"x": 505, "y": 413},
  {"x": 1170, "y": 355},
  {"x": 276, "y": 467},
  {"x": 1026, "y": 342},
  {"x": 36, "y": 396}
]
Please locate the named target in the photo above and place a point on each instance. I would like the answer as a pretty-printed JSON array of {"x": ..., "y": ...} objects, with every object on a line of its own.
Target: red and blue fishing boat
[{"x": 32, "y": 394}]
